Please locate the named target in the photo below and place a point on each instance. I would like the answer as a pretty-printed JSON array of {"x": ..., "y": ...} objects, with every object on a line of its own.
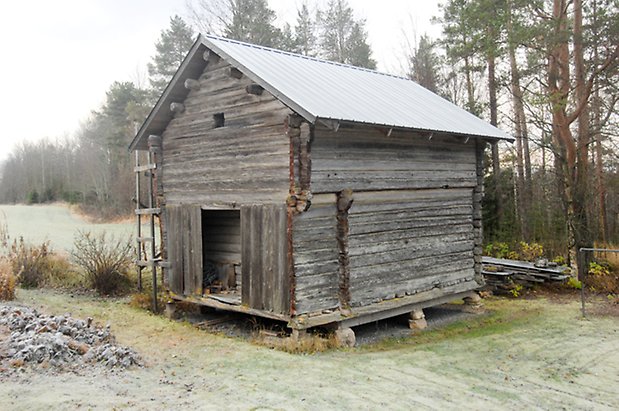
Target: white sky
[{"x": 59, "y": 57}]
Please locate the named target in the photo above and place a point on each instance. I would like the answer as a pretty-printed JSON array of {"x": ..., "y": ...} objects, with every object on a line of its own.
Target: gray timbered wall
[
  {"x": 410, "y": 227},
  {"x": 245, "y": 162}
]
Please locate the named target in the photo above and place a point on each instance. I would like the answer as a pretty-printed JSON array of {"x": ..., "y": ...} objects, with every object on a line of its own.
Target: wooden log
[
  {"x": 235, "y": 73},
  {"x": 344, "y": 202},
  {"x": 192, "y": 84},
  {"x": 177, "y": 108},
  {"x": 255, "y": 89},
  {"x": 210, "y": 57}
]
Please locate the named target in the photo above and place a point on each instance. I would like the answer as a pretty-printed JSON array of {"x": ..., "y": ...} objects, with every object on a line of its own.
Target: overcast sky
[{"x": 60, "y": 56}]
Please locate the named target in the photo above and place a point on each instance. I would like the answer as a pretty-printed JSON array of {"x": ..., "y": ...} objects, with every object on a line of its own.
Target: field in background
[{"x": 54, "y": 223}]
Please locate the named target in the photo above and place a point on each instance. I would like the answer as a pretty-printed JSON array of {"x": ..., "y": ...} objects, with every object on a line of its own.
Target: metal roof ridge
[{"x": 291, "y": 54}]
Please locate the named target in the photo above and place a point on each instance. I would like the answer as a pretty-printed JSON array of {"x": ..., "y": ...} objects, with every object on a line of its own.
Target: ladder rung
[
  {"x": 144, "y": 239},
  {"x": 145, "y": 167},
  {"x": 147, "y": 211},
  {"x": 150, "y": 263}
]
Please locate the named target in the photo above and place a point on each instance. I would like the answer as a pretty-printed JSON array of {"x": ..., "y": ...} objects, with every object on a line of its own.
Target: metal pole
[{"x": 582, "y": 286}]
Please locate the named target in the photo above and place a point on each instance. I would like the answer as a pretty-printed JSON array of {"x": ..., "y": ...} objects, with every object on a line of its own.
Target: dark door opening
[{"x": 221, "y": 251}]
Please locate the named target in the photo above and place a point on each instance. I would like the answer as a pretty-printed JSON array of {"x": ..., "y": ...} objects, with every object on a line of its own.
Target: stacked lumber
[{"x": 503, "y": 274}]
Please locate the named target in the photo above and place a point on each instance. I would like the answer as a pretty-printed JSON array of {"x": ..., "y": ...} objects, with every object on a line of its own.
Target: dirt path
[{"x": 530, "y": 354}]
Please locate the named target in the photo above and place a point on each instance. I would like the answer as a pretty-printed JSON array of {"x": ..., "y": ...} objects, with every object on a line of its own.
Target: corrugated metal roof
[
  {"x": 323, "y": 90},
  {"x": 319, "y": 89}
]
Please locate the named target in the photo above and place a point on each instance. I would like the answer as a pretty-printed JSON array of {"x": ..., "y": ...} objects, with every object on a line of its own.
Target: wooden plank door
[
  {"x": 184, "y": 225},
  {"x": 174, "y": 246},
  {"x": 264, "y": 255}
]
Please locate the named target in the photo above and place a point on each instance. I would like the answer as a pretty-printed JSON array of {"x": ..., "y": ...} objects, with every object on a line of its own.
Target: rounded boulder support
[
  {"x": 170, "y": 310},
  {"x": 473, "y": 300},
  {"x": 345, "y": 337},
  {"x": 417, "y": 320}
]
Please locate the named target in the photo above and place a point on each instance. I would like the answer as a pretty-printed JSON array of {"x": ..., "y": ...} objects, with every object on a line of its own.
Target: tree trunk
[
  {"x": 572, "y": 161},
  {"x": 469, "y": 86},
  {"x": 596, "y": 136},
  {"x": 523, "y": 160},
  {"x": 496, "y": 165}
]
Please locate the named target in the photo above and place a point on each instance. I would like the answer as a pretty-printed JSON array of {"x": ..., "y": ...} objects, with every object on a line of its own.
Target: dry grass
[
  {"x": 611, "y": 258},
  {"x": 7, "y": 281},
  {"x": 603, "y": 276},
  {"x": 310, "y": 343},
  {"x": 144, "y": 301}
]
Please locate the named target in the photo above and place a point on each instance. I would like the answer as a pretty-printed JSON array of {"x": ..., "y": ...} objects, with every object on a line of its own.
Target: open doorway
[{"x": 221, "y": 252}]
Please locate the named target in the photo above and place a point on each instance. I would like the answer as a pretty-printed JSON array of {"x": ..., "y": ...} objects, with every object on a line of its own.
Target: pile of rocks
[{"x": 29, "y": 337}]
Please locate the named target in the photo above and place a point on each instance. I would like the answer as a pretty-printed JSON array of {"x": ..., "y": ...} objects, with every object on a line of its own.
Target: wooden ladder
[{"x": 147, "y": 256}]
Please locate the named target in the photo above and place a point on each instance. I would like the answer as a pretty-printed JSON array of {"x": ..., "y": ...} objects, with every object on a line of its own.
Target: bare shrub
[
  {"x": 29, "y": 263},
  {"x": 7, "y": 281},
  {"x": 105, "y": 261}
]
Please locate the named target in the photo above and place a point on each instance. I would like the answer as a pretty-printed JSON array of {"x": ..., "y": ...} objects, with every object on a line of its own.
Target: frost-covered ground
[{"x": 529, "y": 354}]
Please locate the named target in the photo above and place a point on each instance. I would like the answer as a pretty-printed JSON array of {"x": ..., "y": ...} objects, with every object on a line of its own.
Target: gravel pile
[{"x": 28, "y": 337}]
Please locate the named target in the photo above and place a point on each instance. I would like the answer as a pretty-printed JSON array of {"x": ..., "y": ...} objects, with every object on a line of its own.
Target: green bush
[
  {"x": 599, "y": 268},
  {"x": 574, "y": 283},
  {"x": 559, "y": 260},
  {"x": 105, "y": 261},
  {"x": 497, "y": 250},
  {"x": 72, "y": 197},
  {"x": 516, "y": 251},
  {"x": 33, "y": 197}
]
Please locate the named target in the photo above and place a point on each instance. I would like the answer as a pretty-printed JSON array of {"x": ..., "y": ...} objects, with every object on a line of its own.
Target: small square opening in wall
[{"x": 219, "y": 119}]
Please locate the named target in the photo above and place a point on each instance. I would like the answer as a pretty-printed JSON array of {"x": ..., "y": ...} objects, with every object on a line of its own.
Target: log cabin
[{"x": 312, "y": 192}]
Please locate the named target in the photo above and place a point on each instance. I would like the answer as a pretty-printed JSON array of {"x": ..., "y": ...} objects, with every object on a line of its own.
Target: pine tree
[
  {"x": 252, "y": 21},
  {"x": 458, "y": 31},
  {"x": 424, "y": 65},
  {"x": 173, "y": 45},
  {"x": 305, "y": 33},
  {"x": 344, "y": 39}
]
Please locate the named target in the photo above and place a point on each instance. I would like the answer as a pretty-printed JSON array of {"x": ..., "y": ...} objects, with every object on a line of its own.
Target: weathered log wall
[
  {"x": 315, "y": 256},
  {"x": 364, "y": 158},
  {"x": 407, "y": 242},
  {"x": 410, "y": 227},
  {"x": 243, "y": 162}
]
